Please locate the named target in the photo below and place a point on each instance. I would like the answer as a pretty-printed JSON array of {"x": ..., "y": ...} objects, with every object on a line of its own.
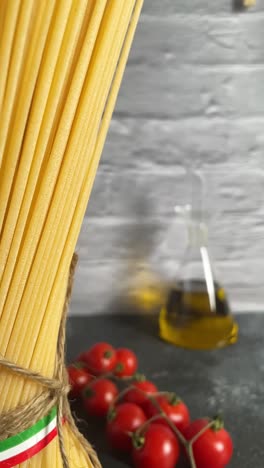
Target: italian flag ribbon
[{"x": 23, "y": 446}]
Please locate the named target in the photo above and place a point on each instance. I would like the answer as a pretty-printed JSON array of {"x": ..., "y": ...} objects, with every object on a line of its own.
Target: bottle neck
[{"x": 197, "y": 233}]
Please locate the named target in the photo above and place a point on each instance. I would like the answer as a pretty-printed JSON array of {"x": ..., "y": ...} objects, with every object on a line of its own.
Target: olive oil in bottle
[{"x": 188, "y": 319}]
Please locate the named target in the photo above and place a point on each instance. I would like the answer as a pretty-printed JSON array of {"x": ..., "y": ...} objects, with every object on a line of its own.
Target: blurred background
[{"x": 192, "y": 96}]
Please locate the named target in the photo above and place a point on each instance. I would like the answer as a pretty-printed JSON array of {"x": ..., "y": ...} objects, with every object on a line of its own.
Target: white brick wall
[{"x": 193, "y": 92}]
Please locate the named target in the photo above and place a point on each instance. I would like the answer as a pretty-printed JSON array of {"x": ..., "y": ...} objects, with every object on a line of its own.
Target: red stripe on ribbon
[{"x": 27, "y": 454}]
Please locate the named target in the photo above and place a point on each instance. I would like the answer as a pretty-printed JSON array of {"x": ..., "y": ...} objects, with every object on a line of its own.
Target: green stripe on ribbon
[{"x": 28, "y": 433}]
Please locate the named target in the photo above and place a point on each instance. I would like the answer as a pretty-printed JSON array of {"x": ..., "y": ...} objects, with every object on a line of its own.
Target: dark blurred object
[
  {"x": 141, "y": 236},
  {"x": 143, "y": 288},
  {"x": 241, "y": 5}
]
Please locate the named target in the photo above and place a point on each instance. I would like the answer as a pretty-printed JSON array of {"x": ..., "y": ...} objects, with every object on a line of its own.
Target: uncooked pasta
[{"x": 61, "y": 65}]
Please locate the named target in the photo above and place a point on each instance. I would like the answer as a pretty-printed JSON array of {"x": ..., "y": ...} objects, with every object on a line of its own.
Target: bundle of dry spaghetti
[{"x": 61, "y": 65}]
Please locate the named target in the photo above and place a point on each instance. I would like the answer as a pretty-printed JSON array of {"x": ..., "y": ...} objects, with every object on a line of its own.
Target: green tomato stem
[
  {"x": 165, "y": 417},
  {"x": 196, "y": 437},
  {"x": 140, "y": 431},
  {"x": 172, "y": 397},
  {"x": 120, "y": 396}
]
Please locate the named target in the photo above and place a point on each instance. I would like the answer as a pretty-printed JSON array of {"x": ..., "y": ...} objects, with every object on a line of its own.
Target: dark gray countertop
[{"x": 229, "y": 380}]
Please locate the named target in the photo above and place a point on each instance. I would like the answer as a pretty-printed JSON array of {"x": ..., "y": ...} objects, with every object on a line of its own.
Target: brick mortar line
[
  {"x": 121, "y": 116},
  {"x": 242, "y": 17}
]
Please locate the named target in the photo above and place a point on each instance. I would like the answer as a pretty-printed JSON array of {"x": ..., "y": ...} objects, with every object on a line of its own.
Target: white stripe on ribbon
[{"x": 27, "y": 444}]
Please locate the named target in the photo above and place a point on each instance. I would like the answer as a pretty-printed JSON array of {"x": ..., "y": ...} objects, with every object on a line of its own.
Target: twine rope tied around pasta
[{"x": 55, "y": 391}]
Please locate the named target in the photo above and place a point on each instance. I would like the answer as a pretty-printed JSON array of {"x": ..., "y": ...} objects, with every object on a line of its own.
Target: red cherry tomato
[
  {"x": 100, "y": 359},
  {"x": 176, "y": 411},
  {"x": 78, "y": 379},
  {"x": 81, "y": 359},
  {"x": 99, "y": 396},
  {"x": 126, "y": 363},
  {"x": 160, "y": 448},
  {"x": 127, "y": 418},
  {"x": 136, "y": 396},
  {"x": 213, "y": 448}
]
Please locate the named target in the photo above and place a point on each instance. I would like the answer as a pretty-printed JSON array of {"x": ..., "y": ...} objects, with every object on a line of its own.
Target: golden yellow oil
[
  {"x": 187, "y": 319},
  {"x": 147, "y": 293}
]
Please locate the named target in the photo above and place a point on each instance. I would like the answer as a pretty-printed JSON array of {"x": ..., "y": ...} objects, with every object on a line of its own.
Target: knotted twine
[{"x": 55, "y": 391}]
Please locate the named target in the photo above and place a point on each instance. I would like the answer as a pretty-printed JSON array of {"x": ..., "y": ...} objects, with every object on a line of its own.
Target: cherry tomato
[
  {"x": 126, "y": 363},
  {"x": 98, "y": 397},
  {"x": 78, "y": 379},
  {"x": 100, "y": 358},
  {"x": 126, "y": 418},
  {"x": 160, "y": 448},
  {"x": 176, "y": 411},
  {"x": 82, "y": 359},
  {"x": 213, "y": 448},
  {"x": 136, "y": 396}
]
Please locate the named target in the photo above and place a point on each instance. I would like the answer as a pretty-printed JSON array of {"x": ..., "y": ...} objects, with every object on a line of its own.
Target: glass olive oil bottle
[{"x": 196, "y": 313}]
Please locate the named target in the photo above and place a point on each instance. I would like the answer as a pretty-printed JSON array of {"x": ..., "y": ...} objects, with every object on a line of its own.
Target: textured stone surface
[
  {"x": 192, "y": 91},
  {"x": 193, "y": 7},
  {"x": 209, "y": 382},
  {"x": 192, "y": 95},
  {"x": 206, "y": 142},
  {"x": 228, "y": 190},
  {"x": 205, "y": 40}
]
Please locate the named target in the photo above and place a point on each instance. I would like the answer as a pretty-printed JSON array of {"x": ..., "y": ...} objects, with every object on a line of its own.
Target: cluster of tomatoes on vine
[{"x": 152, "y": 426}]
